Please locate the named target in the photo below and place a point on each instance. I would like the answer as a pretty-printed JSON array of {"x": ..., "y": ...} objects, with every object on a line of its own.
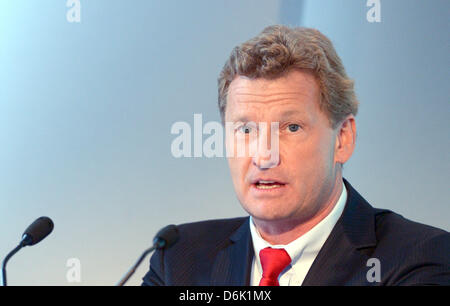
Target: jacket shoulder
[
  {"x": 209, "y": 231},
  {"x": 392, "y": 226},
  {"x": 411, "y": 253},
  {"x": 189, "y": 260}
]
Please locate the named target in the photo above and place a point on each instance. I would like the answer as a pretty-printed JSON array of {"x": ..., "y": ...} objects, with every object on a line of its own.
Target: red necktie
[{"x": 273, "y": 262}]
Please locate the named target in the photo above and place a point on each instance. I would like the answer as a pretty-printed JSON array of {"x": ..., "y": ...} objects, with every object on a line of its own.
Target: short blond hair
[{"x": 277, "y": 50}]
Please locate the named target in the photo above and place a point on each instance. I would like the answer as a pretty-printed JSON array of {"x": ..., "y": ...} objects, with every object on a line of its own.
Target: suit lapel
[
  {"x": 340, "y": 261},
  {"x": 232, "y": 266}
]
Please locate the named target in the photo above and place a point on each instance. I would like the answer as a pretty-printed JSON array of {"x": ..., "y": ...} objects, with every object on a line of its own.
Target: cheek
[
  {"x": 238, "y": 172},
  {"x": 238, "y": 166},
  {"x": 305, "y": 160}
]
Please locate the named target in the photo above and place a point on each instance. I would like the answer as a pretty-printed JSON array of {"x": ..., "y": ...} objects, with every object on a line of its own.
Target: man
[{"x": 307, "y": 225}]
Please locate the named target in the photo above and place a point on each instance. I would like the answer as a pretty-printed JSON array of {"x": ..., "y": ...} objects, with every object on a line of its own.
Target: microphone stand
[
  {"x": 158, "y": 243},
  {"x": 134, "y": 267},
  {"x": 5, "y": 261},
  {"x": 26, "y": 240}
]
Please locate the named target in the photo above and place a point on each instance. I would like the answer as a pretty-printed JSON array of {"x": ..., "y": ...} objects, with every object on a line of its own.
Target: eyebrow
[
  {"x": 284, "y": 115},
  {"x": 241, "y": 119},
  {"x": 291, "y": 113}
]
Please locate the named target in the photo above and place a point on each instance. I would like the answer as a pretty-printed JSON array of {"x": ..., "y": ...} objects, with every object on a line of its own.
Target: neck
[{"x": 282, "y": 232}]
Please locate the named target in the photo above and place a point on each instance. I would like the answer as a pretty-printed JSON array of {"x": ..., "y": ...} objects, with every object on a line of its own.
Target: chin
[{"x": 267, "y": 211}]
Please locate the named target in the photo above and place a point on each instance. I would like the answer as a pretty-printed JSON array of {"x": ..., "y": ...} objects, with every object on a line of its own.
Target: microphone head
[
  {"x": 37, "y": 231},
  {"x": 166, "y": 237}
]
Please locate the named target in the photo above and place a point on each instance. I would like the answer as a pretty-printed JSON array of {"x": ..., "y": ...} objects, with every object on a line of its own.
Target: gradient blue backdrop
[{"x": 86, "y": 110}]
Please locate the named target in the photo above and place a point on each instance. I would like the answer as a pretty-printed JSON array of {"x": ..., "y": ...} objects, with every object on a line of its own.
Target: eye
[
  {"x": 293, "y": 127},
  {"x": 245, "y": 129}
]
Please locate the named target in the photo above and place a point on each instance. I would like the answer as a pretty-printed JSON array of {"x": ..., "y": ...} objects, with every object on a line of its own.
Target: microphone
[
  {"x": 34, "y": 233},
  {"x": 164, "y": 239}
]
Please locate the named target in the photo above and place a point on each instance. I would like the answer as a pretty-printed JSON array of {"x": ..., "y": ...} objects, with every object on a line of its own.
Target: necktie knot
[{"x": 273, "y": 262}]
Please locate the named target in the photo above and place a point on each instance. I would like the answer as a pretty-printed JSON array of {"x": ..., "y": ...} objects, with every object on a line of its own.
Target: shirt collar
[{"x": 310, "y": 242}]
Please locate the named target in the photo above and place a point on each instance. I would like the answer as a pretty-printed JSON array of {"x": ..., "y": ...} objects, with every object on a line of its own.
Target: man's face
[{"x": 297, "y": 184}]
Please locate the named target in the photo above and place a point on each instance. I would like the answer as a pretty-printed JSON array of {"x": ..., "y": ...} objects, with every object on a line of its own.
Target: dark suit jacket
[{"x": 220, "y": 252}]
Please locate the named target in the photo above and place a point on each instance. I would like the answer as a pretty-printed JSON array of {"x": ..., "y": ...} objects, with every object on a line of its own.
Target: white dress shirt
[{"x": 303, "y": 250}]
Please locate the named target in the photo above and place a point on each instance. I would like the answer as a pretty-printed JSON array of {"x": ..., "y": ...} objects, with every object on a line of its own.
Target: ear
[{"x": 345, "y": 140}]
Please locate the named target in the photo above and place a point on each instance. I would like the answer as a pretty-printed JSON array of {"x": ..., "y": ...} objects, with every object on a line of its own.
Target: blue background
[{"x": 86, "y": 110}]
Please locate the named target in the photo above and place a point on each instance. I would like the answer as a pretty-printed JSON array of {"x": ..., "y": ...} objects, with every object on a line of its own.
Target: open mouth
[{"x": 266, "y": 185}]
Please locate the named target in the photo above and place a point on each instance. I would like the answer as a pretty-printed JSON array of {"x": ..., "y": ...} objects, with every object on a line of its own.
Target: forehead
[{"x": 296, "y": 92}]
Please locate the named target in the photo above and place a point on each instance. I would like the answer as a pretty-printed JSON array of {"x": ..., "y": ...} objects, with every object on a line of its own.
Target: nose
[
  {"x": 265, "y": 163},
  {"x": 265, "y": 158}
]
